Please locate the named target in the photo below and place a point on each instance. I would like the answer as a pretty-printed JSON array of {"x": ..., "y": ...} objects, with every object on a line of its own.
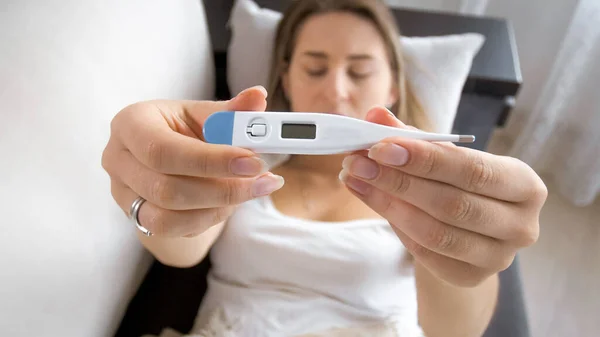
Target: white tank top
[{"x": 277, "y": 275}]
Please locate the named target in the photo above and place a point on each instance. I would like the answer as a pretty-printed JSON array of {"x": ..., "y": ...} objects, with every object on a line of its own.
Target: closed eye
[
  {"x": 316, "y": 72},
  {"x": 359, "y": 75}
]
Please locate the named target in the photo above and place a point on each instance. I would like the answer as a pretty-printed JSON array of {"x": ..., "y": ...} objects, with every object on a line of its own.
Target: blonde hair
[{"x": 407, "y": 108}]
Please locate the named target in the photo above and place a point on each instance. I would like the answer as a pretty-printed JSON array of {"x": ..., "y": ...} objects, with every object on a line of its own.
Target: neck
[{"x": 326, "y": 166}]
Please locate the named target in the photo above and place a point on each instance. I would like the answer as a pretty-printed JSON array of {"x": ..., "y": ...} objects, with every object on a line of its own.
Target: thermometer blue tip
[{"x": 218, "y": 128}]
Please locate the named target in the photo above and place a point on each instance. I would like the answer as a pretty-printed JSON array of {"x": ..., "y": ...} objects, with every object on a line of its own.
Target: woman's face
[{"x": 339, "y": 65}]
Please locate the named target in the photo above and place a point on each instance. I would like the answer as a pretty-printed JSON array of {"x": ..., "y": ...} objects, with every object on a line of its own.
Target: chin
[
  {"x": 338, "y": 112},
  {"x": 343, "y": 114}
]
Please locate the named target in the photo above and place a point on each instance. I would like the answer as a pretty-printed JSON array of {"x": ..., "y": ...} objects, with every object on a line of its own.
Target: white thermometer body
[{"x": 305, "y": 132}]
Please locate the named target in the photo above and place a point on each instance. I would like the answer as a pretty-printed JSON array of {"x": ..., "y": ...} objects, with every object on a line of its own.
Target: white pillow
[{"x": 437, "y": 66}]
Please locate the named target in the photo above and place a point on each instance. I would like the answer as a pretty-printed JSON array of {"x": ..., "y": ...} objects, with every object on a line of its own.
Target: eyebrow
[{"x": 322, "y": 55}]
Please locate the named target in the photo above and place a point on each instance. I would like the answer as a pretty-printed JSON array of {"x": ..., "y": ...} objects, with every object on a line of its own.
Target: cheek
[
  {"x": 374, "y": 91},
  {"x": 301, "y": 93}
]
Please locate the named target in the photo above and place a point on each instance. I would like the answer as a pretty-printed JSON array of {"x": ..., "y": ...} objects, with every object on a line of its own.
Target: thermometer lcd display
[{"x": 298, "y": 131}]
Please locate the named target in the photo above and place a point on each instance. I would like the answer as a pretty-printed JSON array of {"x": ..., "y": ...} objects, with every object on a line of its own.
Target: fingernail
[
  {"x": 343, "y": 175},
  {"x": 389, "y": 154},
  {"x": 262, "y": 89},
  {"x": 358, "y": 186},
  {"x": 248, "y": 166},
  {"x": 259, "y": 87},
  {"x": 361, "y": 167},
  {"x": 267, "y": 184}
]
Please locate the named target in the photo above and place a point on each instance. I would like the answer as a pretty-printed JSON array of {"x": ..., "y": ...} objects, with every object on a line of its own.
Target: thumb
[
  {"x": 196, "y": 112},
  {"x": 383, "y": 116},
  {"x": 251, "y": 99}
]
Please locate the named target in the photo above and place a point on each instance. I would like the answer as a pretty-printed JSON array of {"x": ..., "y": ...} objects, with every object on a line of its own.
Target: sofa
[
  {"x": 70, "y": 259},
  {"x": 72, "y": 264}
]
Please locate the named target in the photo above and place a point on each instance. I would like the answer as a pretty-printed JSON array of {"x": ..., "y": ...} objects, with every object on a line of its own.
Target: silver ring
[{"x": 134, "y": 210}]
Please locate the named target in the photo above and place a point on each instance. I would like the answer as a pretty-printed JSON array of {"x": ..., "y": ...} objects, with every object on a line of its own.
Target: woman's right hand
[{"x": 156, "y": 151}]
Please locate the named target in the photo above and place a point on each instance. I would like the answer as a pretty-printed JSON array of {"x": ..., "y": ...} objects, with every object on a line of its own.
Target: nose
[{"x": 337, "y": 86}]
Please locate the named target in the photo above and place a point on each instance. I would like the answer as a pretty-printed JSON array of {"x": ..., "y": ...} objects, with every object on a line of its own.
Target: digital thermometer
[{"x": 305, "y": 132}]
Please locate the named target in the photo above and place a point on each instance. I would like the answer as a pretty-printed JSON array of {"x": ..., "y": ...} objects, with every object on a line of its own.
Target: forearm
[
  {"x": 181, "y": 252},
  {"x": 448, "y": 311}
]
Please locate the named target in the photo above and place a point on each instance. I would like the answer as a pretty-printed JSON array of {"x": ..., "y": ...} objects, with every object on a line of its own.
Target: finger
[
  {"x": 185, "y": 193},
  {"x": 450, "y": 241},
  {"x": 380, "y": 115},
  {"x": 165, "y": 137},
  {"x": 383, "y": 116},
  {"x": 475, "y": 171},
  {"x": 444, "y": 202},
  {"x": 168, "y": 223},
  {"x": 195, "y": 113},
  {"x": 452, "y": 271}
]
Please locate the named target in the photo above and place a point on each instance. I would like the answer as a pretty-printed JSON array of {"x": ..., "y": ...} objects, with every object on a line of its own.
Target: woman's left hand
[{"x": 462, "y": 213}]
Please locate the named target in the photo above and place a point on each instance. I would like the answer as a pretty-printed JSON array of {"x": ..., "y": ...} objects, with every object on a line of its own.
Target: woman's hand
[
  {"x": 156, "y": 151},
  {"x": 462, "y": 213}
]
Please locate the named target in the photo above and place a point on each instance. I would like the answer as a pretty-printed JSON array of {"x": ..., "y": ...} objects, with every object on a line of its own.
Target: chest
[
  {"x": 319, "y": 200},
  {"x": 361, "y": 263}
]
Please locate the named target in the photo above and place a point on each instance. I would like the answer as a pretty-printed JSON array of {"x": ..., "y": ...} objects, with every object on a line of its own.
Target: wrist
[{"x": 449, "y": 310}]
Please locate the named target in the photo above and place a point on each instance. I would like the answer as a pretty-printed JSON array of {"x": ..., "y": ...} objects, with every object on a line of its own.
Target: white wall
[{"x": 540, "y": 27}]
